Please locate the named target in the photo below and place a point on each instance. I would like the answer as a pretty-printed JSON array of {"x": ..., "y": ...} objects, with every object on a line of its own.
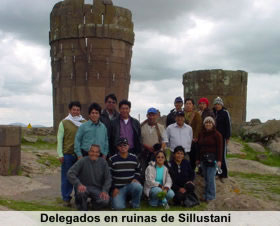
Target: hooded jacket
[{"x": 150, "y": 178}]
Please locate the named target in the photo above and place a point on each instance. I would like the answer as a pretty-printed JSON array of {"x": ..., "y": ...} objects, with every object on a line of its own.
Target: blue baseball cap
[
  {"x": 178, "y": 100},
  {"x": 152, "y": 110}
]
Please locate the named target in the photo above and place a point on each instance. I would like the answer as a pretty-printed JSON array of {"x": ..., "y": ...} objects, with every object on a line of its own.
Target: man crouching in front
[
  {"x": 92, "y": 179},
  {"x": 125, "y": 170}
]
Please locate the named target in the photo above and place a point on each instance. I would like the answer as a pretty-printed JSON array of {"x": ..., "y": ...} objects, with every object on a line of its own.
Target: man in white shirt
[{"x": 179, "y": 133}]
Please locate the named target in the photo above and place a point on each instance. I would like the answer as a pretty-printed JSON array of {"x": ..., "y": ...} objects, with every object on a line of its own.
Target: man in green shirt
[
  {"x": 65, "y": 147},
  {"x": 92, "y": 132}
]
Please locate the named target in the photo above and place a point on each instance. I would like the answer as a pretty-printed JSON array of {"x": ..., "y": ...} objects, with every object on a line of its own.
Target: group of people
[{"x": 113, "y": 159}]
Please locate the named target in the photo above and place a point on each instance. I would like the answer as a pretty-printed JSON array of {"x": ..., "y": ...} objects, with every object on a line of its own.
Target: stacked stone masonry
[
  {"x": 231, "y": 86},
  {"x": 10, "y": 150},
  {"x": 91, "y": 50}
]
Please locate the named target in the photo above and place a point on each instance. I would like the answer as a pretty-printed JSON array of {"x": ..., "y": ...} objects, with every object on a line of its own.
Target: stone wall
[
  {"x": 231, "y": 86},
  {"x": 91, "y": 50},
  {"x": 10, "y": 150}
]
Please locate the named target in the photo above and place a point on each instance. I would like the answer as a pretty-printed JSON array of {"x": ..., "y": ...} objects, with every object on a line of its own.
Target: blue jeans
[
  {"x": 209, "y": 174},
  {"x": 153, "y": 199},
  {"x": 66, "y": 186},
  {"x": 132, "y": 190}
]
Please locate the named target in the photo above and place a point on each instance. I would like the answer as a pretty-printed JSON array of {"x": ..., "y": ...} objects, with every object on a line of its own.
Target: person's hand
[
  {"x": 135, "y": 181},
  {"x": 115, "y": 192},
  {"x": 80, "y": 157},
  {"x": 197, "y": 162},
  {"x": 104, "y": 196},
  {"x": 165, "y": 189},
  {"x": 219, "y": 163},
  {"x": 82, "y": 188},
  {"x": 182, "y": 190},
  {"x": 61, "y": 159}
]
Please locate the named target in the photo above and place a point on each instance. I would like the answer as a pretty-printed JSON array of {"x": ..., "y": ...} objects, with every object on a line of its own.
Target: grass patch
[
  {"x": 251, "y": 154},
  {"x": 31, "y": 206},
  {"x": 270, "y": 183},
  {"x": 38, "y": 145},
  {"x": 49, "y": 160}
]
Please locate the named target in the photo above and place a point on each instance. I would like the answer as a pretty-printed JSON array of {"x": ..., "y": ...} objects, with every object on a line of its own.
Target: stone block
[
  {"x": 10, "y": 158},
  {"x": 10, "y": 136}
]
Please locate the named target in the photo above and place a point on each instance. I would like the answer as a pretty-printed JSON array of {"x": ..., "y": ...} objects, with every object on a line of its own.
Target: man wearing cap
[
  {"x": 152, "y": 133},
  {"x": 204, "y": 110},
  {"x": 223, "y": 125},
  {"x": 92, "y": 179},
  {"x": 178, "y": 103},
  {"x": 179, "y": 133},
  {"x": 125, "y": 170}
]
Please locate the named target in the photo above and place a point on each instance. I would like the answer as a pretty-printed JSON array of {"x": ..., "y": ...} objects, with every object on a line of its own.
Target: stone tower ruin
[
  {"x": 91, "y": 50},
  {"x": 231, "y": 86}
]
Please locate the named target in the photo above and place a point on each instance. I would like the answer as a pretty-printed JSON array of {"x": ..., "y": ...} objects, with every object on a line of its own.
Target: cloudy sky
[{"x": 172, "y": 37}]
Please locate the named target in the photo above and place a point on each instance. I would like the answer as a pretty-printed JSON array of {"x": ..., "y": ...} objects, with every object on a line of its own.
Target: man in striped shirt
[{"x": 125, "y": 170}]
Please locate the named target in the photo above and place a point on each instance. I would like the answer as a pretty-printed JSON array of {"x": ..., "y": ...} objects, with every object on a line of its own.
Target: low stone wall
[{"x": 10, "y": 150}]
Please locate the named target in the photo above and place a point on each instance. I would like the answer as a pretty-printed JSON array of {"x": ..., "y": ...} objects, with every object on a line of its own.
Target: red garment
[{"x": 210, "y": 142}]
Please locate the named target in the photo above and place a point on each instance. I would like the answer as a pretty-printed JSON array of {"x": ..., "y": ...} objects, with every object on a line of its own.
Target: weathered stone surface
[
  {"x": 49, "y": 139},
  {"x": 91, "y": 50},
  {"x": 255, "y": 121},
  {"x": 30, "y": 139},
  {"x": 263, "y": 131},
  {"x": 231, "y": 86},
  {"x": 235, "y": 148},
  {"x": 10, "y": 136},
  {"x": 10, "y": 160},
  {"x": 257, "y": 147},
  {"x": 274, "y": 146}
]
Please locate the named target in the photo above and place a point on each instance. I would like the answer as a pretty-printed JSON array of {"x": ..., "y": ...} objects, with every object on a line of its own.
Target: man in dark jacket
[
  {"x": 223, "y": 125},
  {"x": 110, "y": 112},
  {"x": 178, "y": 103},
  {"x": 125, "y": 126}
]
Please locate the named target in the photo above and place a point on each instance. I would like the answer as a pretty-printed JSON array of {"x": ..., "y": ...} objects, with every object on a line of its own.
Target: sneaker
[{"x": 67, "y": 203}]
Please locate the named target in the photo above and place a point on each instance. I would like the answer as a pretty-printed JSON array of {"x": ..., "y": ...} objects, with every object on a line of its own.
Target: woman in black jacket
[
  {"x": 182, "y": 176},
  {"x": 223, "y": 125}
]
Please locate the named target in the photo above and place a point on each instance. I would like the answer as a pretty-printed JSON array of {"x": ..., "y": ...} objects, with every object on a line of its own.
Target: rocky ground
[{"x": 252, "y": 185}]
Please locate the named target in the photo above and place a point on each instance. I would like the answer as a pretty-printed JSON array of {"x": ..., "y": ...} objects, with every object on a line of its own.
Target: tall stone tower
[
  {"x": 231, "y": 86},
  {"x": 91, "y": 50}
]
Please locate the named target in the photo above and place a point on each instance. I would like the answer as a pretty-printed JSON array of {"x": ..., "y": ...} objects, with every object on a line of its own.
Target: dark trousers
[
  {"x": 66, "y": 186},
  {"x": 179, "y": 197},
  {"x": 192, "y": 155},
  {"x": 92, "y": 193},
  {"x": 224, "y": 174}
]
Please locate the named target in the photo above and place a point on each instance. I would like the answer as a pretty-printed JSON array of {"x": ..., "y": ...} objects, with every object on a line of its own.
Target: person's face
[
  {"x": 180, "y": 120},
  {"x": 188, "y": 105},
  {"x": 94, "y": 116},
  {"x": 202, "y": 106},
  {"x": 218, "y": 107},
  {"x": 178, "y": 106},
  {"x": 110, "y": 104},
  {"x": 75, "y": 111},
  {"x": 152, "y": 118},
  {"x": 208, "y": 125},
  {"x": 123, "y": 148},
  {"x": 160, "y": 159},
  {"x": 179, "y": 156},
  {"x": 94, "y": 153},
  {"x": 124, "y": 111}
]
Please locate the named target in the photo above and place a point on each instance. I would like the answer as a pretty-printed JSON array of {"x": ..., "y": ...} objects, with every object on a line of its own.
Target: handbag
[
  {"x": 191, "y": 200},
  {"x": 209, "y": 159}
]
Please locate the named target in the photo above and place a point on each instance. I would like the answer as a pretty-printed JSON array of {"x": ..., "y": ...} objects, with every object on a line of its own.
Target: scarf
[{"x": 77, "y": 120}]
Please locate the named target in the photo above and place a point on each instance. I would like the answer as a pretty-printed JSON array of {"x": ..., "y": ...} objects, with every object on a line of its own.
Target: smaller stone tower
[{"x": 231, "y": 86}]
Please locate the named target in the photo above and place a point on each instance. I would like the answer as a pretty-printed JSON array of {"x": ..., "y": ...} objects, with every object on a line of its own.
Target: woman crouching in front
[
  {"x": 210, "y": 143},
  {"x": 158, "y": 182}
]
